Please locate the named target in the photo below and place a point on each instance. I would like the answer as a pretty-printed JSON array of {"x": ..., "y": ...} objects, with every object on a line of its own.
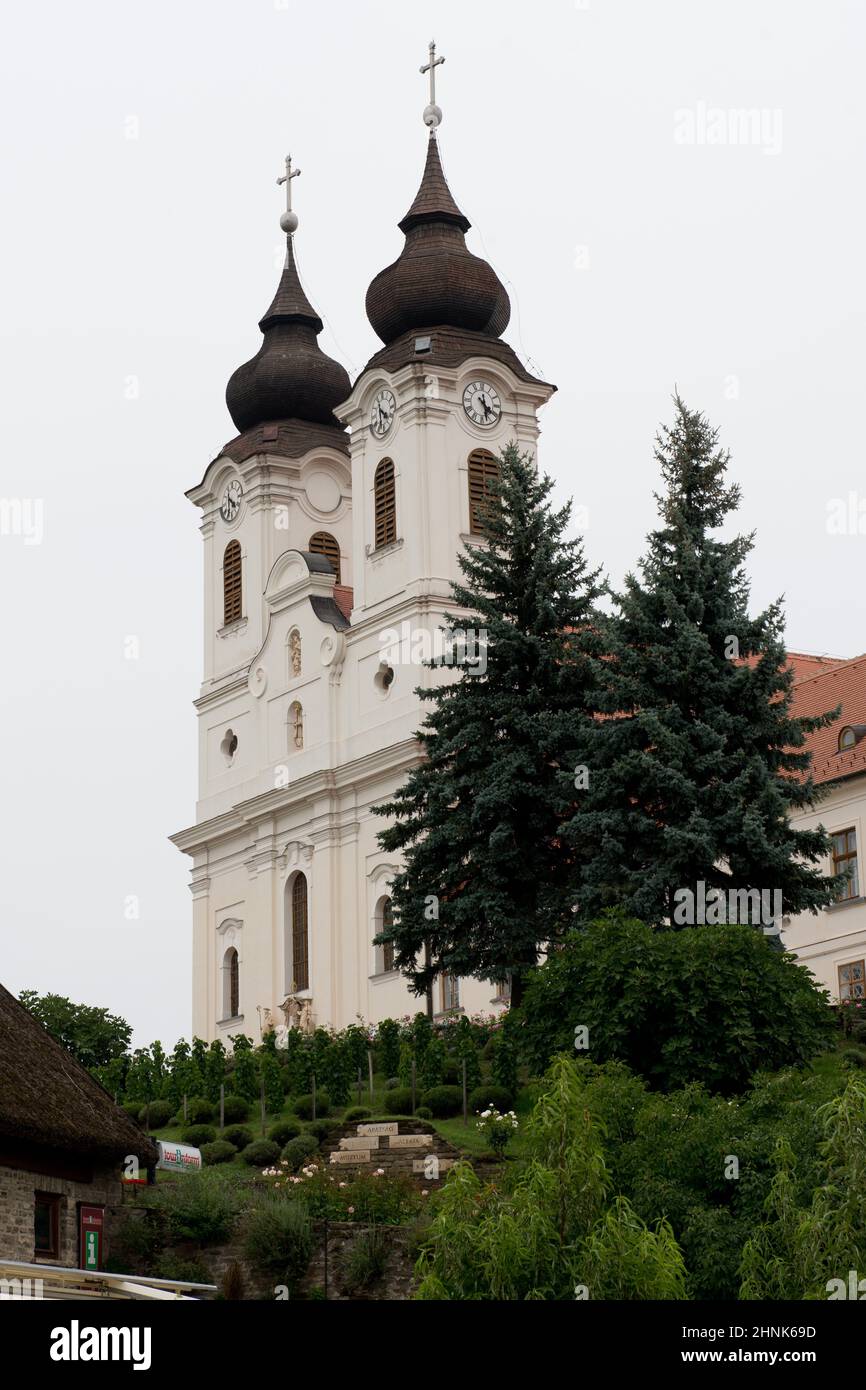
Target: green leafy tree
[
  {"x": 272, "y": 1075},
  {"x": 695, "y": 775},
  {"x": 432, "y": 1072},
  {"x": 807, "y": 1254},
  {"x": 93, "y": 1036},
  {"x": 140, "y": 1077},
  {"x": 713, "y": 1005},
  {"x": 504, "y": 1062},
  {"x": 557, "y": 1229},
  {"x": 337, "y": 1072},
  {"x": 466, "y": 1050},
  {"x": 486, "y": 877},
  {"x": 181, "y": 1079},
  {"x": 245, "y": 1072},
  {"x": 215, "y": 1070},
  {"x": 388, "y": 1046}
]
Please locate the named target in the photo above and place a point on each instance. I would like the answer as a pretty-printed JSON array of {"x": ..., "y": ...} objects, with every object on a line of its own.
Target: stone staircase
[{"x": 406, "y": 1146}]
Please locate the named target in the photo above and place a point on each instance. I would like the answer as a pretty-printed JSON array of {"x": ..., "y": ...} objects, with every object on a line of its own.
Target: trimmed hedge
[
  {"x": 220, "y": 1151},
  {"x": 284, "y": 1130},
  {"x": 303, "y": 1105},
  {"x": 236, "y": 1110},
  {"x": 196, "y": 1135},
  {"x": 239, "y": 1136},
  {"x": 358, "y": 1112},
  {"x": 298, "y": 1150},
  {"x": 200, "y": 1111},
  {"x": 483, "y": 1097},
  {"x": 159, "y": 1113},
  {"x": 399, "y": 1101},
  {"x": 261, "y": 1153},
  {"x": 443, "y": 1101}
]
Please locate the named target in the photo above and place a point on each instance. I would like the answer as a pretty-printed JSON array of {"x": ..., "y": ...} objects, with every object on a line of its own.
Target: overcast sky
[{"x": 649, "y": 238}]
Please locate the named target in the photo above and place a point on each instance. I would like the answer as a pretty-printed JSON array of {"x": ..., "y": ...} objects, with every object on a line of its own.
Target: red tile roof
[
  {"x": 344, "y": 598},
  {"x": 843, "y": 683}
]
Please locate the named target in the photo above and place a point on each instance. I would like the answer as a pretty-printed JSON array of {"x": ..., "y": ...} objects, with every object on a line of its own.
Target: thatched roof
[{"x": 47, "y": 1098}]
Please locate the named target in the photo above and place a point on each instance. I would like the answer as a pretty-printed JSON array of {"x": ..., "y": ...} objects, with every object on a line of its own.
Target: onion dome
[
  {"x": 290, "y": 378},
  {"x": 436, "y": 280}
]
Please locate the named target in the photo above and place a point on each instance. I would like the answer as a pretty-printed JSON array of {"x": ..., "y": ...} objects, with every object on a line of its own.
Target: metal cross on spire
[
  {"x": 432, "y": 112},
  {"x": 289, "y": 219}
]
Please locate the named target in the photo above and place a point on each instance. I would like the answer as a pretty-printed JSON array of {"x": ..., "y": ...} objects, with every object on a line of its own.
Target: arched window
[
  {"x": 296, "y": 725},
  {"x": 232, "y": 590},
  {"x": 384, "y": 922},
  {"x": 323, "y": 543},
  {"x": 483, "y": 469},
  {"x": 847, "y": 739},
  {"x": 299, "y": 974},
  {"x": 231, "y": 984},
  {"x": 385, "y": 504}
]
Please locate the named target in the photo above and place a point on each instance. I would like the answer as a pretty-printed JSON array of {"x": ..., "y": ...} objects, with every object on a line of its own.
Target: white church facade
[{"x": 332, "y": 522}]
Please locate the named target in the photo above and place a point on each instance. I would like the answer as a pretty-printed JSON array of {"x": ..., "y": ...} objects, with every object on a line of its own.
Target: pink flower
[{"x": 350, "y": 1210}]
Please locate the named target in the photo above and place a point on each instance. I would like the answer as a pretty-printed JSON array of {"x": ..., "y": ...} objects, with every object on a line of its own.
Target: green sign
[{"x": 91, "y": 1250}]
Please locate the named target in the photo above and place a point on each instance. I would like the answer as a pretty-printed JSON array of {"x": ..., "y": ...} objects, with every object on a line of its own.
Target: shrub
[
  {"x": 392, "y": 1084},
  {"x": 853, "y": 1057},
  {"x": 133, "y": 1109},
  {"x": 443, "y": 1101},
  {"x": 636, "y": 990},
  {"x": 558, "y": 1226},
  {"x": 200, "y": 1111},
  {"x": 423, "y": 1113},
  {"x": 358, "y": 1112},
  {"x": 490, "y": 1095},
  {"x": 303, "y": 1105},
  {"x": 220, "y": 1151},
  {"x": 236, "y": 1110},
  {"x": 238, "y": 1136},
  {"x": 200, "y": 1206},
  {"x": 365, "y": 1261},
  {"x": 279, "y": 1239},
  {"x": 284, "y": 1130},
  {"x": 261, "y": 1153},
  {"x": 398, "y": 1102},
  {"x": 299, "y": 1149},
  {"x": 156, "y": 1115},
  {"x": 170, "y": 1266},
  {"x": 319, "y": 1129},
  {"x": 198, "y": 1135}
]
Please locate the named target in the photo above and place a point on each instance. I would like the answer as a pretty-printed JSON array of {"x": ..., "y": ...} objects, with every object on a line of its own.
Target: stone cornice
[{"x": 246, "y": 815}]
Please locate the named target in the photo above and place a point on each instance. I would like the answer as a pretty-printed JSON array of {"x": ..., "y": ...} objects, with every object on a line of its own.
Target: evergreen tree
[
  {"x": 694, "y": 775},
  {"x": 485, "y": 883}
]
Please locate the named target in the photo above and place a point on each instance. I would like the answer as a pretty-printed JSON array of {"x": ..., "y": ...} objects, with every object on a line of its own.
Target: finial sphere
[
  {"x": 432, "y": 115},
  {"x": 289, "y": 222}
]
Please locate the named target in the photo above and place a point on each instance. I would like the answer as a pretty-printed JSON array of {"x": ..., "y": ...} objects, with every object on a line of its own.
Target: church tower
[{"x": 329, "y": 559}]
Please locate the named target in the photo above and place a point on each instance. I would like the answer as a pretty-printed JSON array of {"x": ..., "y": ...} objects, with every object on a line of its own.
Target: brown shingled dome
[
  {"x": 290, "y": 378},
  {"x": 436, "y": 279}
]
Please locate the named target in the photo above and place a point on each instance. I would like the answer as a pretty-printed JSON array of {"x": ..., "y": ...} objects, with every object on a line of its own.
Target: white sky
[{"x": 635, "y": 262}]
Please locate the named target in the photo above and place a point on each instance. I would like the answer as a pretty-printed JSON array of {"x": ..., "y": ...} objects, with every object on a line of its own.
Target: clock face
[
  {"x": 382, "y": 413},
  {"x": 231, "y": 503},
  {"x": 482, "y": 404}
]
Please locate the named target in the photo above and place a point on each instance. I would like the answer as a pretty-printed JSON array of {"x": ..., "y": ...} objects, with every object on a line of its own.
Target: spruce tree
[
  {"x": 485, "y": 885},
  {"x": 699, "y": 763}
]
